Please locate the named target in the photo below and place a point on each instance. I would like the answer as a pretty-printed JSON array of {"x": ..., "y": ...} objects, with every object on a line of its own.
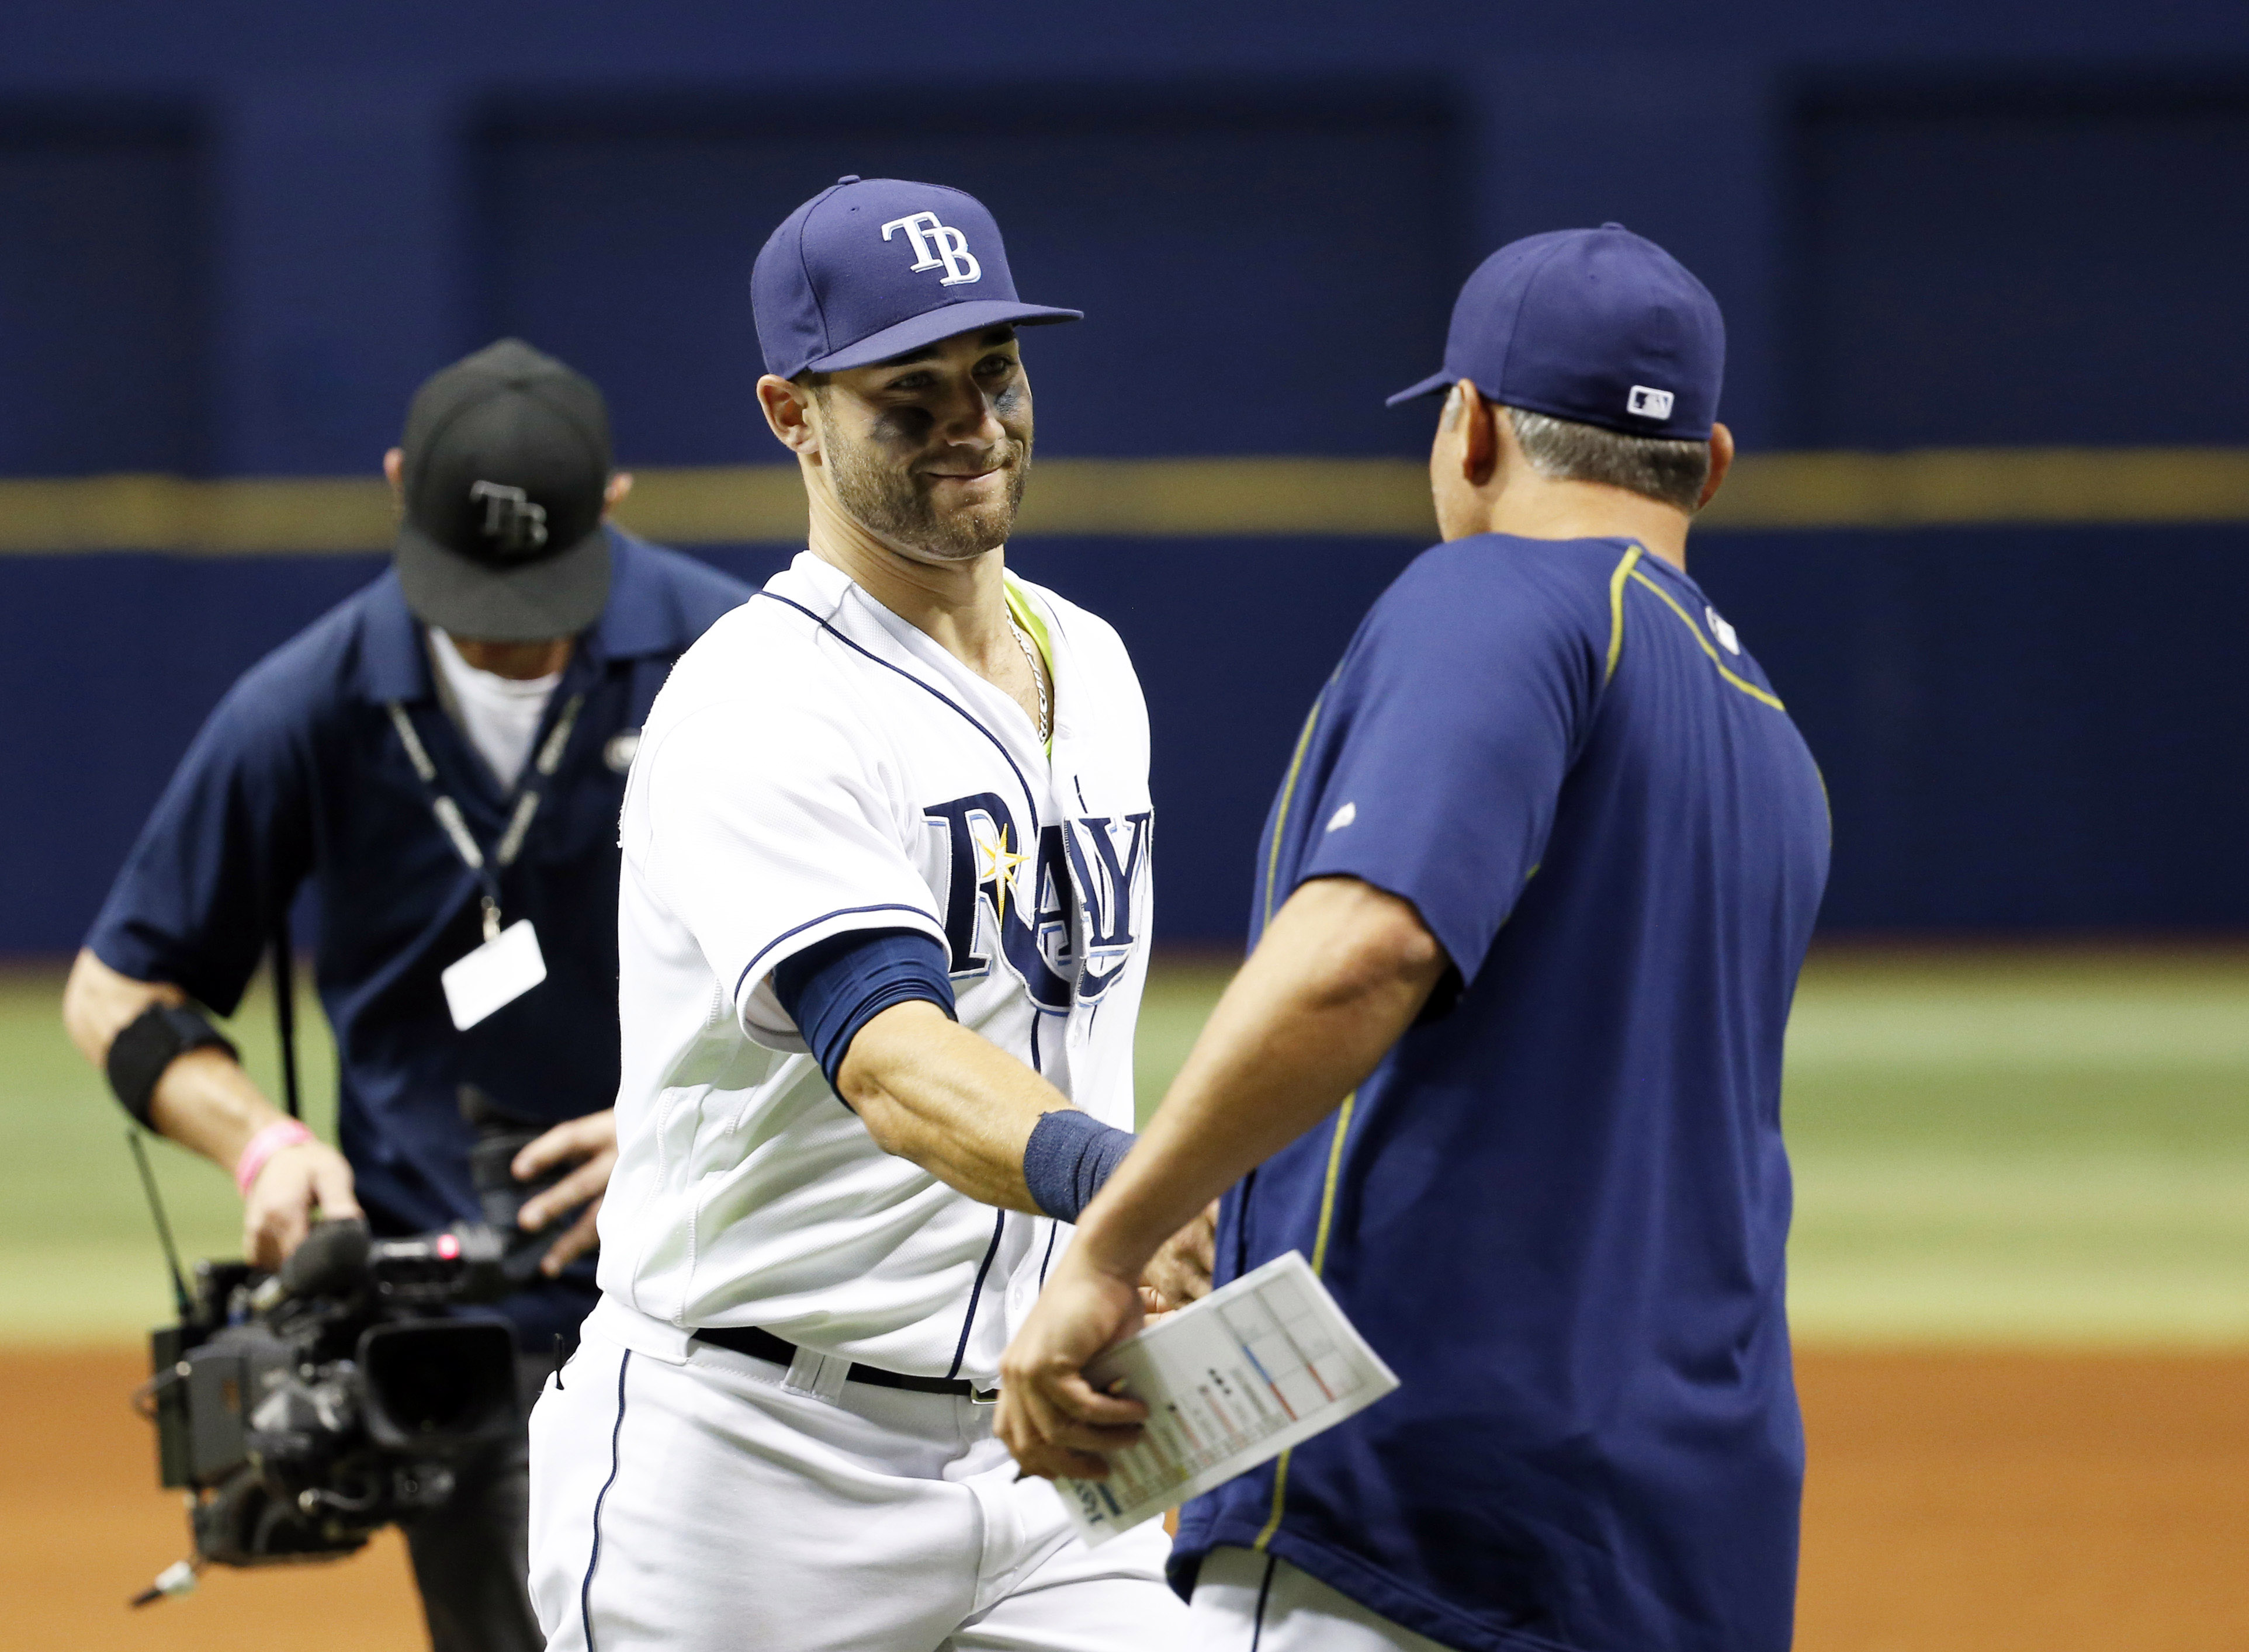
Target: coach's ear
[
  {"x": 1480, "y": 435},
  {"x": 789, "y": 416},
  {"x": 1721, "y": 461}
]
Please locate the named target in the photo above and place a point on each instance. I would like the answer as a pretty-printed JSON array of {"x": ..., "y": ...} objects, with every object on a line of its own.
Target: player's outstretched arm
[
  {"x": 931, "y": 1091},
  {"x": 1340, "y": 973}
]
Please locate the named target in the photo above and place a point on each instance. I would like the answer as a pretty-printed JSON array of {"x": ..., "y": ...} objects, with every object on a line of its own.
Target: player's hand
[
  {"x": 1050, "y": 1416},
  {"x": 591, "y": 1144},
  {"x": 1179, "y": 1273},
  {"x": 293, "y": 1185}
]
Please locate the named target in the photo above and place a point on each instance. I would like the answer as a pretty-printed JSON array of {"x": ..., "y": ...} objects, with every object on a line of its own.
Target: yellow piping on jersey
[
  {"x": 1343, "y": 1119},
  {"x": 1288, "y": 794},
  {"x": 1616, "y": 610},
  {"x": 1708, "y": 647},
  {"x": 1319, "y": 1261},
  {"x": 1328, "y": 1190},
  {"x": 1033, "y": 622}
]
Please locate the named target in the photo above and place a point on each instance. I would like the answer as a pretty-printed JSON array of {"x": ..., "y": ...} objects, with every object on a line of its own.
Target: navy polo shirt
[
  {"x": 299, "y": 776},
  {"x": 1558, "y": 1208}
]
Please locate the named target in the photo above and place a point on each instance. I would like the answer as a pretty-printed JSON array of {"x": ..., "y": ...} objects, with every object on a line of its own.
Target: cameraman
[{"x": 443, "y": 756}]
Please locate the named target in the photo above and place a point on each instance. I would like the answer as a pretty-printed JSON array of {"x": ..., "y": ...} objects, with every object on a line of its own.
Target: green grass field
[{"x": 1997, "y": 1146}]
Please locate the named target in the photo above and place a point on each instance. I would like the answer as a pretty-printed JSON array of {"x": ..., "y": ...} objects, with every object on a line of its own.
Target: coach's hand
[
  {"x": 1180, "y": 1272},
  {"x": 296, "y": 1185},
  {"x": 591, "y": 1144},
  {"x": 1050, "y": 1416}
]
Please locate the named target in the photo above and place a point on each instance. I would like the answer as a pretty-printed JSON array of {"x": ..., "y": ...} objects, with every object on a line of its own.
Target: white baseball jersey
[{"x": 816, "y": 766}]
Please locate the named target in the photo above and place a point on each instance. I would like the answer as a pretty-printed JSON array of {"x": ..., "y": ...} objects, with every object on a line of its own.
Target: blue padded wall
[{"x": 1256, "y": 280}]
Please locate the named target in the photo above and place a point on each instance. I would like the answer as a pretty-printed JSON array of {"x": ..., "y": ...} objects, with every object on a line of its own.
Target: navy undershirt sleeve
[{"x": 834, "y": 987}]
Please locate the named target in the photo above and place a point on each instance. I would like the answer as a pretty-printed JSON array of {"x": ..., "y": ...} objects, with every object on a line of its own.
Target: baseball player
[
  {"x": 882, "y": 933},
  {"x": 1505, "y": 1063}
]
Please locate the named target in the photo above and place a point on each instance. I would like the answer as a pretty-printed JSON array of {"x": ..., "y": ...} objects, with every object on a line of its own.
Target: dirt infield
[
  {"x": 2025, "y": 1503},
  {"x": 1958, "y": 1502}
]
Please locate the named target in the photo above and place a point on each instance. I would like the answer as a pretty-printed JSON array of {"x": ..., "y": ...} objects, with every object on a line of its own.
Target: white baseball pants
[
  {"x": 683, "y": 1497},
  {"x": 1246, "y": 1602}
]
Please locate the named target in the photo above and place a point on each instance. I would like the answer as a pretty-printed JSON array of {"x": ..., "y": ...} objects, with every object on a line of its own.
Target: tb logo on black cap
[{"x": 511, "y": 521}]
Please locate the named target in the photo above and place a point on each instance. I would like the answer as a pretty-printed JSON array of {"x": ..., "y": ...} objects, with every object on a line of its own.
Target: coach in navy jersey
[{"x": 1505, "y": 1062}]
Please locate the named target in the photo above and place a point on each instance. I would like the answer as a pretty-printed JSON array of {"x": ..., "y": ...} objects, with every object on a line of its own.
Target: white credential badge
[
  {"x": 495, "y": 974},
  {"x": 937, "y": 244}
]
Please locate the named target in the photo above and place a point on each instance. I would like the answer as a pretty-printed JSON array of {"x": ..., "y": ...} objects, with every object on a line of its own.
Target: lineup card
[{"x": 1230, "y": 1381}]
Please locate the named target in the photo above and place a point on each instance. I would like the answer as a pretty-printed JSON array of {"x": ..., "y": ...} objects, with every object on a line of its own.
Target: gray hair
[{"x": 1563, "y": 450}]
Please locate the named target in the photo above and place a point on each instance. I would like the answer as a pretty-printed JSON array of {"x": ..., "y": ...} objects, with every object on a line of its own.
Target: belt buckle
[{"x": 983, "y": 1396}]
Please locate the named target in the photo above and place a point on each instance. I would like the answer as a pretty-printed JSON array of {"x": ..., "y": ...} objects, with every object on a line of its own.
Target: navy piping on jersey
[
  {"x": 839, "y": 912},
  {"x": 617, "y": 1432},
  {"x": 998, "y": 1227},
  {"x": 1053, "y": 1228},
  {"x": 1030, "y": 798}
]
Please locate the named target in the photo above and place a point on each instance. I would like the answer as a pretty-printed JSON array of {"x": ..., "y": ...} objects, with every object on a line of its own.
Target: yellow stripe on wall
[{"x": 1172, "y": 498}]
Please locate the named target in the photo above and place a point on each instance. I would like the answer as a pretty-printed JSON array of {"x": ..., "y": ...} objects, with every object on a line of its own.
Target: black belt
[{"x": 764, "y": 1344}]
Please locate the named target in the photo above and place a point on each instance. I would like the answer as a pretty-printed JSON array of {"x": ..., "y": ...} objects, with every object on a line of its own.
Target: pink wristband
[{"x": 282, "y": 1133}]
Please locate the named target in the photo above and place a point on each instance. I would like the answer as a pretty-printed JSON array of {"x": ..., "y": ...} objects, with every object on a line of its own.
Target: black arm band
[
  {"x": 1068, "y": 1156},
  {"x": 159, "y": 1036}
]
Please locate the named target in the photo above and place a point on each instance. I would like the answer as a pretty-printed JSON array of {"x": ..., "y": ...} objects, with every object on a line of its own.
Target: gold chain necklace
[{"x": 1038, "y": 677}]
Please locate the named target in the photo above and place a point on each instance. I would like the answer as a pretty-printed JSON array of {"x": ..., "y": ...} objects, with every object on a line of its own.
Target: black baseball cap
[{"x": 505, "y": 476}]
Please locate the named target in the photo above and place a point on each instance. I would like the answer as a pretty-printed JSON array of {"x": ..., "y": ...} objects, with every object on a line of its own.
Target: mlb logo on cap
[
  {"x": 872, "y": 267},
  {"x": 1600, "y": 327}
]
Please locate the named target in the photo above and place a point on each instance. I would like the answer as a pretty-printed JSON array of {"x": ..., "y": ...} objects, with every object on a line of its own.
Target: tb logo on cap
[
  {"x": 511, "y": 518},
  {"x": 936, "y": 244}
]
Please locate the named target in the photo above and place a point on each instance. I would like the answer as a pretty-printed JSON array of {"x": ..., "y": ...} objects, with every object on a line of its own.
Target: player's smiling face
[{"x": 929, "y": 451}]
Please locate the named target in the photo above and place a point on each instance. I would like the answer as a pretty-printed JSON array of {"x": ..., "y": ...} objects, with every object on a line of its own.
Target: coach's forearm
[
  {"x": 1338, "y": 976},
  {"x": 954, "y": 1103}
]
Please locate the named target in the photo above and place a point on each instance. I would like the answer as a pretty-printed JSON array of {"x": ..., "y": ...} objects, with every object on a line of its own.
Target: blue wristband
[{"x": 1068, "y": 1156}]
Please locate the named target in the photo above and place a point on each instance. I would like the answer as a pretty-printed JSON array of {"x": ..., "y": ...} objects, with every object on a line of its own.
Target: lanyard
[{"x": 455, "y": 824}]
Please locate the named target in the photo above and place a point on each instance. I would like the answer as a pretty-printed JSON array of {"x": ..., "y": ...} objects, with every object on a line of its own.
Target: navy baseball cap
[
  {"x": 1601, "y": 326},
  {"x": 872, "y": 267}
]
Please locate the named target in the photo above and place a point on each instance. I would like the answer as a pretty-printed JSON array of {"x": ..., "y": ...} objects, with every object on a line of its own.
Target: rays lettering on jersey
[
  {"x": 987, "y": 861},
  {"x": 986, "y": 883},
  {"x": 1107, "y": 878}
]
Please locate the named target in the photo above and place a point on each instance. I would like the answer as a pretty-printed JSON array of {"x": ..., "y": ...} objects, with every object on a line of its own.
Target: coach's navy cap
[
  {"x": 1601, "y": 326},
  {"x": 872, "y": 267},
  {"x": 506, "y": 478}
]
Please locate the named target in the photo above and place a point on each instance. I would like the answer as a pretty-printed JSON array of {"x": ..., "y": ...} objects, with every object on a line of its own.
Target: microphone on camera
[{"x": 331, "y": 1260}]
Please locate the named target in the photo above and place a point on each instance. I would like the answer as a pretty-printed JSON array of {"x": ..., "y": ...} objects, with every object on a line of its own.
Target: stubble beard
[{"x": 885, "y": 500}]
